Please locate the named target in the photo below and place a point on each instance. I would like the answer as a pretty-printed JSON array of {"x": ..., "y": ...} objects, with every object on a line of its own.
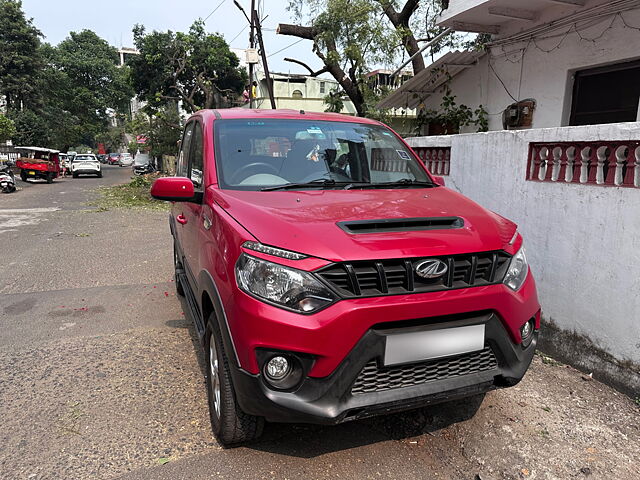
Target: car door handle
[{"x": 181, "y": 219}]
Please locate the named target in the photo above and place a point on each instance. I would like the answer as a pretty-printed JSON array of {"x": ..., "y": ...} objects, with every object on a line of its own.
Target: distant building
[
  {"x": 547, "y": 64},
  {"x": 381, "y": 81},
  {"x": 125, "y": 53},
  {"x": 299, "y": 92},
  {"x": 135, "y": 104}
]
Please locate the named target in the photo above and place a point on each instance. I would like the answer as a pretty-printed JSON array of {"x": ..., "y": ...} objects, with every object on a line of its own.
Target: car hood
[{"x": 307, "y": 222}]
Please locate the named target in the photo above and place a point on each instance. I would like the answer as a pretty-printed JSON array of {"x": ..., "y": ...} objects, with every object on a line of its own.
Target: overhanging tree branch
[
  {"x": 311, "y": 72},
  {"x": 347, "y": 82},
  {"x": 400, "y": 21}
]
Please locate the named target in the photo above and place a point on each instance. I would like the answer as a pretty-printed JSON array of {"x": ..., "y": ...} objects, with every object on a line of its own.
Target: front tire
[
  {"x": 23, "y": 176},
  {"x": 49, "y": 177},
  {"x": 100, "y": 175},
  {"x": 230, "y": 425}
]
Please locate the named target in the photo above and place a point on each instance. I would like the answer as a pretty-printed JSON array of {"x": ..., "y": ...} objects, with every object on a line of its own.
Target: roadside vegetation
[{"x": 134, "y": 194}]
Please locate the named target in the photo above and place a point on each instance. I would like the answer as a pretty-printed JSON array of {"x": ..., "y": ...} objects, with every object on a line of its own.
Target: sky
[{"x": 113, "y": 20}]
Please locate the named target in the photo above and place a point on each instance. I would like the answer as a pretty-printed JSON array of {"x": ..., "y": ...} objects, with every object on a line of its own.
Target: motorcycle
[{"x": 7, "y": 180}]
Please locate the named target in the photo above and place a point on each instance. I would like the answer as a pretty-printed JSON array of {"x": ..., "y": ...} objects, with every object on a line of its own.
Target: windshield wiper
[
  {"x": 320, "y": 182},
  {"x": 404, "y": 182}
]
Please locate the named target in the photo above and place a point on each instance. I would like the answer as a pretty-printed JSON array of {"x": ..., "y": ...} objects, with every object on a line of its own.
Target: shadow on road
[{"x": 309, "y": 441}]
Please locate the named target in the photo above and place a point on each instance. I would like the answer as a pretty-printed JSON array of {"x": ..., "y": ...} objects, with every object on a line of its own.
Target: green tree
[
  {"x": 334, "y": 102},
  {"x": 351, "y": 36},
  {"x": 161, "y": 126},
  {"x": 196, "y": 68},
  {"x": 347, "y": 36},
  {"x": 85, "y": 87},
  {"x": 7, "y": 129},
  {"x": 32, "y": 129},
  {"x": 112, "y": 139},
  {"x": 20, "y": 61}
]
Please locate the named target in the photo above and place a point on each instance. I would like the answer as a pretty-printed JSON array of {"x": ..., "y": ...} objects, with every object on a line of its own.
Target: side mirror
[
  {"x": 173, "y": 189},
  {"x": 439, "y": 180}
]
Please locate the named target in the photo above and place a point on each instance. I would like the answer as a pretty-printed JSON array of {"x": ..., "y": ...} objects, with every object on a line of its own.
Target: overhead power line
[
  {"x": 214, "y": 10},
  {"x": 283, "y": 49},
  {"x": 239, "y": 33}
]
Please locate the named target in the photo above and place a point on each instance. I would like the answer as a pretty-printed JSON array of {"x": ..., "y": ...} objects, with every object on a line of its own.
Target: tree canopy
[
  {"x": 7, "y": 128},
  {"x": 351, "y": 36},
  {"x": 196, "y": 68},
  {"x": 162, "y": 129},
  {"x": 85, "y": 87},
  {"x": 20, "y": 60}
]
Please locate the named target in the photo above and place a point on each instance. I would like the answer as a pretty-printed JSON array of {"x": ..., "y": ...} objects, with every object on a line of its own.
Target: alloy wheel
[{"x": 214, "y": 372}]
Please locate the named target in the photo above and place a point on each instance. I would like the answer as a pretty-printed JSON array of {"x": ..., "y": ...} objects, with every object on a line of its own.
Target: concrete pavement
[{"x": 101, "y": 377}]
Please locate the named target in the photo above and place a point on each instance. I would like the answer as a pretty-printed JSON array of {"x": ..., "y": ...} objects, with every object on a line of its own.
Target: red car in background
[
  {"x": 331, "y": 277},
  {"x": 113, "y": 158}
]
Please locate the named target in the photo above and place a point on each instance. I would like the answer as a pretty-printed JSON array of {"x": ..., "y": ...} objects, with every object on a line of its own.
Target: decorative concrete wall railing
[
  {"x": 436, "y": 159},
  {"x": 612, "y": 163},
  {"x": 582, "y": 240}
]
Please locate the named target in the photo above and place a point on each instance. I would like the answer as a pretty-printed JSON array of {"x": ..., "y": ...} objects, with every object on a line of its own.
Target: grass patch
[
  {"x": 134, "y": 194},
  {"x": 547, "y": 360}
]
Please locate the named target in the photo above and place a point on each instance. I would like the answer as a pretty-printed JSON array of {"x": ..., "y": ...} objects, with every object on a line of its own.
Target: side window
[
  {"x": 183, "y": 158},
  {"x": 196, "y": 163}
]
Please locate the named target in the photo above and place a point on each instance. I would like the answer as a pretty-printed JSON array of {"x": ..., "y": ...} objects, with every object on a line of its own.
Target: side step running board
[{"x": 192, "y": 303}]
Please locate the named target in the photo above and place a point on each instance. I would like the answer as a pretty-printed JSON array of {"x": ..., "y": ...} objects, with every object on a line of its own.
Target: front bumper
[{"x": 330, "y": 400}]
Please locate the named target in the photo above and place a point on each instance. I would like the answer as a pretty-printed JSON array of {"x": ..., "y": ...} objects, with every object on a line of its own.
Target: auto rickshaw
[{"x": 38, "y": 162}]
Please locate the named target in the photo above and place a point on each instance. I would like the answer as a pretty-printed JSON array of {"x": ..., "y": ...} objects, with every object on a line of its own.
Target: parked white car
[
  {"x": 126, "y": 160},
  {"x": 86, "y": 164}
]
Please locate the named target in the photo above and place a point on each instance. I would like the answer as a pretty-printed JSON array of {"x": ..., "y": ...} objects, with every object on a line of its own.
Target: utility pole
[
  {"x": 255, "y": 20},
  {"x": 252, "y": 45},
  {"x": 255, "y": 25}
]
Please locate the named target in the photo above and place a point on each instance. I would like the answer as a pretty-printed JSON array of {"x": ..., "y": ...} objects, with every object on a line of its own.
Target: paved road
[{"x": 100, "y": 377}]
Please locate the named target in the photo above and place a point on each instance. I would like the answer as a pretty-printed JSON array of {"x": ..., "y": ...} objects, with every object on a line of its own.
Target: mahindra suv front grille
[
  {"x": 392, "y": 277},
  {"x": 374, "y": 379}
]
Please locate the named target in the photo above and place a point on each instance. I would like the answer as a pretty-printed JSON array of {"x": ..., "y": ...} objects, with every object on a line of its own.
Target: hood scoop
[{"x": 401, "y": 224}]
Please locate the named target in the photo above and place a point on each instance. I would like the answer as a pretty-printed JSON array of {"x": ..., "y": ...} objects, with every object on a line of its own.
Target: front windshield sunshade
[{"x": 299, "y": 154}]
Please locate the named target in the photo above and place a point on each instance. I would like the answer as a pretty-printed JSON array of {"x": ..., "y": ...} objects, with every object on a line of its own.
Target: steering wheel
[{"x": 237, "y": 176}]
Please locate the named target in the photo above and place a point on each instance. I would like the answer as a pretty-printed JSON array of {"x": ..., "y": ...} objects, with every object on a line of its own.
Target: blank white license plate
[{"x": 425, "y": 345}]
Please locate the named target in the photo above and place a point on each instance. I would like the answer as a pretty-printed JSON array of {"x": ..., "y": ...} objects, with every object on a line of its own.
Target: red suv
[{"x": 332, "y": 277}]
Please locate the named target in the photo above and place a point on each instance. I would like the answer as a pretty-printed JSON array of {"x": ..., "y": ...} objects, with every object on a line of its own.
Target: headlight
[
  {"x": 284, "y": 286},
  {"x": 517, "y": 272}
]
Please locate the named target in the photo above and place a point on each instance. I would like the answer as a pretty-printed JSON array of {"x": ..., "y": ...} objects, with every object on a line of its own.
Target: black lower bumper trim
[{"x": 329, "y": 400}]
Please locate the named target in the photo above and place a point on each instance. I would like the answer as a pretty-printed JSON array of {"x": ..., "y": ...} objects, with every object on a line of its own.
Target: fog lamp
[
  {"x": 526, "y": 333},
  {"x": 277, "y": 368}
]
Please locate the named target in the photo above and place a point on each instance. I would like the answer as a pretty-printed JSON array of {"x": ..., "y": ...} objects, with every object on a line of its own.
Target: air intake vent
[{"x": 401, "y": 224}]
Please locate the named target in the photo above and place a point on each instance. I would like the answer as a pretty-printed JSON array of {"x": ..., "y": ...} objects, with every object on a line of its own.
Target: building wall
[
  {"x": 544, "y": 76},
  {"x": 581, "y": 240},
  {"x": 312, "y": 98}
]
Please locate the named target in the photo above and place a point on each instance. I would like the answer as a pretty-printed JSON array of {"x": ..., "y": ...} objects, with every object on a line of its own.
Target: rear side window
[
  {"x": 183, "y": 157},
  {"x": 197, "y": 157}
]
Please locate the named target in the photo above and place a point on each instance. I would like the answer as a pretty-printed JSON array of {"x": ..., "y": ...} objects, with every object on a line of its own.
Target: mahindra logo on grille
[{"x": 431, "y": 268}]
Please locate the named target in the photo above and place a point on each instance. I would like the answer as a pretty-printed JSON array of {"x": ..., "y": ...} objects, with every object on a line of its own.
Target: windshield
[
  {"x": 85, "y": 158},
  {"x": 141, "y": 159},
  {"x": 253, "y": 155}
]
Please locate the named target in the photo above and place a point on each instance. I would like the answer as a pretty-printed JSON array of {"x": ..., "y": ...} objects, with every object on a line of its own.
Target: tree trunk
[
  {"x": 400, "y": 20},
  {"x": 349, "y": 86}
]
